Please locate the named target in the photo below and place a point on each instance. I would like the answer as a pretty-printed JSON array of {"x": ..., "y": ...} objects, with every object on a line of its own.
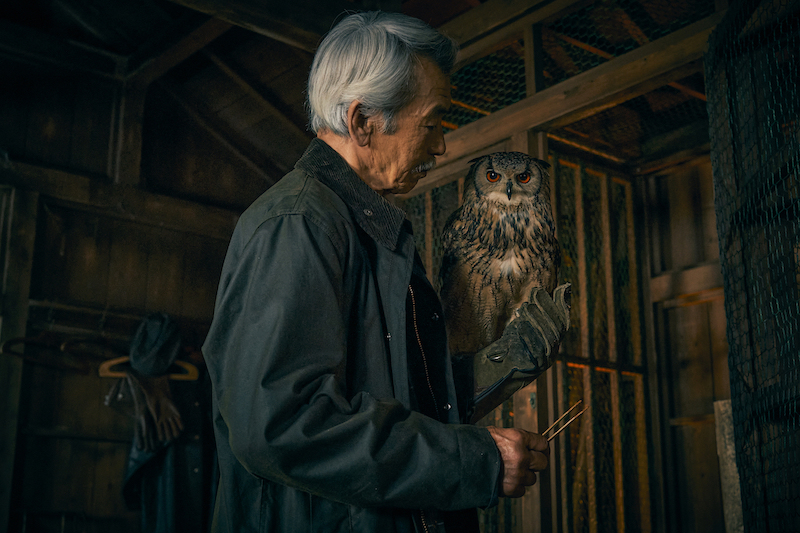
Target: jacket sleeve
[{"x": 277, "y": 353}]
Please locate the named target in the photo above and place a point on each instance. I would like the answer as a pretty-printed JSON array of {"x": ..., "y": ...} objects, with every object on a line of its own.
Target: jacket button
[
  {"x": 435, "y": 317},
  {"x": 388, "y": 336},
  {"x": 368, "y": 212},
  {"x": 447, "y": 407}
]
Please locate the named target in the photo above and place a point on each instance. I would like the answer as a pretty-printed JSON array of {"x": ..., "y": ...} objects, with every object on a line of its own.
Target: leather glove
[
  {"x": 524, "y": 351},
  {"x": 144, "y": 425},
  {"x": 158, "y": 398}
]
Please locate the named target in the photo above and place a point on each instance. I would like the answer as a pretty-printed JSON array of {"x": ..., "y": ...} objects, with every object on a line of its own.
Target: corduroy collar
[{"x": 377, "y": 217}]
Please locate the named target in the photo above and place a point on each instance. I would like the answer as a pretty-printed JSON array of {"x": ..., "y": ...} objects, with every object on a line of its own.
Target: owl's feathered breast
[
  {"x": 496, "y": 247},
  {"x": 501, "y": 243}
]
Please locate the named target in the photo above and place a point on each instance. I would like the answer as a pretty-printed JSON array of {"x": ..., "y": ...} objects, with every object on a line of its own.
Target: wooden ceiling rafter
[
  {"x": 91, "y": 23},
  {"x": 241, "y": 80},
  {"x": 156, "y": 58},
  {"x": 27, "y": 45},
  {"x": 300, "y": 23},
  {"x": 224, "y": 135}
]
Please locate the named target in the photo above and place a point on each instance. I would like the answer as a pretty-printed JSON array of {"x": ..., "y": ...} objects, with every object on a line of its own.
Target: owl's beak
[{"x": 509, "y": 186}]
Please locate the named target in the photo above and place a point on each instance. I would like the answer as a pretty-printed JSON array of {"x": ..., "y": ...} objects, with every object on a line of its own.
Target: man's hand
[{"x": 523, "y": 454}]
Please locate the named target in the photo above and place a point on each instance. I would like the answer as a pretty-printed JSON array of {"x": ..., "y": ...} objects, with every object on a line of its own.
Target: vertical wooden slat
[
  {"x": 127, "y": 274},
  {"x": 588, "y": 434},
  {"x": 525, "y": 417},
  {"x": 125, "y": 141},
  {"x": 561, "y": 369},
  {"x": 165, "y": 269},
  {"x": 616, "y": 429},
  {"x": 608, "y": 267},
  {"x": 18, "y": 257},
  {"x": 583, "y": 279},
  {"x": 633, "y": 270},
  {"x": 641, "y": 453},
  {"x": 657, "y": 427},
  {"x": 460, "y": 186},
  {"x": 616, "y": 423}
]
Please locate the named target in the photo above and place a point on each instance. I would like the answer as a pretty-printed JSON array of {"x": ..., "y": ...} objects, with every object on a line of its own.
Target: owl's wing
[
  {"x": 465, "y": 316},
  {"x": 469, "y": 303}
]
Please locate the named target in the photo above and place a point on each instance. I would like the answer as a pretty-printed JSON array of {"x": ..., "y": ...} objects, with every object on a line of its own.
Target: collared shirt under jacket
[{"x": 308, "y": 360}]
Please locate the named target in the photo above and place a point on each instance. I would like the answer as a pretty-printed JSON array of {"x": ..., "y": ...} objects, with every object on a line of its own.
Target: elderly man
[{"x": 335, "y": 407}]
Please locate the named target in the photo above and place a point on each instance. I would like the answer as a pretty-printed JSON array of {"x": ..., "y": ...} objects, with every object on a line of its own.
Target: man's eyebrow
[{"x": 439, "y": 110}]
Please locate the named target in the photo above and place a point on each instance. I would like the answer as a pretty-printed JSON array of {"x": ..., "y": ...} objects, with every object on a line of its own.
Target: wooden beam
[
  {"x": 122, "y": 202},
  {"x": 26, "y": 45},
  {"x": 20, "y": 210},
  {"x": 642, "y": 39},
  {"x": 300, "y": 23},
  {"x": 635, "y": 73},
  {"x": 505, "y": 31},
  {"x": 88, "y": 18},
  {"x": 125, "y": 155},
  {"x": 685, "y": 283},
  {"x": 487, "y": 18},
  {"x": 282, "y": 122},
  {"x": 154, "y": 59},
  {"x": 228, "y": 137}
]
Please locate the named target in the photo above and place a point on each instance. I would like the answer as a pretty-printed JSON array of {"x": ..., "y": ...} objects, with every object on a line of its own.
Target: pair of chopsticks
[{"x": 562, "y": 417}]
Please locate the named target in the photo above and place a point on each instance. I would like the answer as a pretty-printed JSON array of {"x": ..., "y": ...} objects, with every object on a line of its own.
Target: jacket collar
[{"x": 377, "y": 217}]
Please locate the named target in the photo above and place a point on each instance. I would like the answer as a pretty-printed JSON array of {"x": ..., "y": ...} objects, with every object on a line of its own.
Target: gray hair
[{"x": 372, "y": 57}]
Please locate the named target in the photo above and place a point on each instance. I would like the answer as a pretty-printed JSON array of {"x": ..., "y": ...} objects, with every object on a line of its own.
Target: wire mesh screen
[
  {"x": 587, "y": 37},
  {"x": 604, "y": 484},
  {"x": 487, "y": 85},
  {"x": 752, "y": 74},
  {"x": 577, "y": 42}
]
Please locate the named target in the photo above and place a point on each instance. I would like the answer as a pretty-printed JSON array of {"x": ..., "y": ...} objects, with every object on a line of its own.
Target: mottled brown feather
[{"x": 496, "y": 249}]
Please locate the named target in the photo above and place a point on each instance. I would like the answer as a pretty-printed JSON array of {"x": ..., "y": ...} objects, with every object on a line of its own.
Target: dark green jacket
[{"x": 307, "y": 354}]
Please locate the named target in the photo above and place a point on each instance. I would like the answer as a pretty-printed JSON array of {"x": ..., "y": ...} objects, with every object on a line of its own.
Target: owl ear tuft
[
  {"x": 541, "y": 162},
  {"x": 478, "y": 159}
]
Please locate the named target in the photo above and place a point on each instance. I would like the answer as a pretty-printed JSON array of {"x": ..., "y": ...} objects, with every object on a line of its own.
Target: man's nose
[{"x": 438, "y": 146}]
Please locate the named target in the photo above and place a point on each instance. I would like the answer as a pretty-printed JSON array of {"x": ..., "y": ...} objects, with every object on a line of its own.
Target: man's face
[{"x": 401, "y": 159}]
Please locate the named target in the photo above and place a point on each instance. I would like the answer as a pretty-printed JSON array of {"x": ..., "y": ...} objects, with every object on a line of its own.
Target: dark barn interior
[{"x": 135, "y": 132}]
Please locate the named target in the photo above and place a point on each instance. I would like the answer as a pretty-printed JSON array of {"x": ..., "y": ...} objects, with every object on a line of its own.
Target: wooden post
[
  {"x": 125, "y": 160},
  {"x": 19, "y": 230}
]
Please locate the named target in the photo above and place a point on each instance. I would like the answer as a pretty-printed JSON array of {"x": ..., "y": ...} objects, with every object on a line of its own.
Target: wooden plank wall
[
  {"x": 57, "y": 119},
  {"x": 73, "y": 448},
  {"x": 98, "y": 262},
  {"x": 690, "y": 352}
]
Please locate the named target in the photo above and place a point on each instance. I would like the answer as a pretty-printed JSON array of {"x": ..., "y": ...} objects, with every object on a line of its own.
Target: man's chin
[{"x": 407, "y": 185}]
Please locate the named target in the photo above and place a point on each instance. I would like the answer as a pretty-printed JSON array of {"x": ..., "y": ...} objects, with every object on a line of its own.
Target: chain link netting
[{"x": 752, "y": 74}]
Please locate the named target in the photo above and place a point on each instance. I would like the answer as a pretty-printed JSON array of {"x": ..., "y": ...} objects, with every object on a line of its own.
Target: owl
[{"x": 497, "y": 247}]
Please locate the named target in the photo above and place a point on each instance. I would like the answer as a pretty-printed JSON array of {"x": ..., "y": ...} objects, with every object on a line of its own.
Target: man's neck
[{"x": 353, "y": 154}]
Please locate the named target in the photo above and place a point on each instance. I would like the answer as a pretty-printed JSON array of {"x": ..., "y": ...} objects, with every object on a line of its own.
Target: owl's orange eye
[
  {"x": 492, "y": 176},
  {"x": 525, "y": 177}
]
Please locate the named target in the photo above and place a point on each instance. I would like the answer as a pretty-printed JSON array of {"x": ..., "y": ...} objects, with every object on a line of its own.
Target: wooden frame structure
[{"x": 523, "y": 126}]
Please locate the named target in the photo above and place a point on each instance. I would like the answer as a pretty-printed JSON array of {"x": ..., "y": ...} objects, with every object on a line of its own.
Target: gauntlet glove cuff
[{"x": 524, "y": 351}]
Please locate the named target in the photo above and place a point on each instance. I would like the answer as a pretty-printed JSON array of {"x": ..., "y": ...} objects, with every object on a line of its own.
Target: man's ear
[{"x": 359, "y": 126}]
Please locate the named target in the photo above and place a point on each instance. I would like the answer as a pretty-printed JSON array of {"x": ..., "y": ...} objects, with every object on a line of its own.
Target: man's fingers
[
  {"x": 535, "y": 442},
  {"x": 523, "y": 454}
]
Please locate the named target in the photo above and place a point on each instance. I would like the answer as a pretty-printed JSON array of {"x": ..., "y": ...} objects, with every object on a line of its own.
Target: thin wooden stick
[
  {"x": 562, "y": 417},
  {"x": 562, "y": 428}
]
